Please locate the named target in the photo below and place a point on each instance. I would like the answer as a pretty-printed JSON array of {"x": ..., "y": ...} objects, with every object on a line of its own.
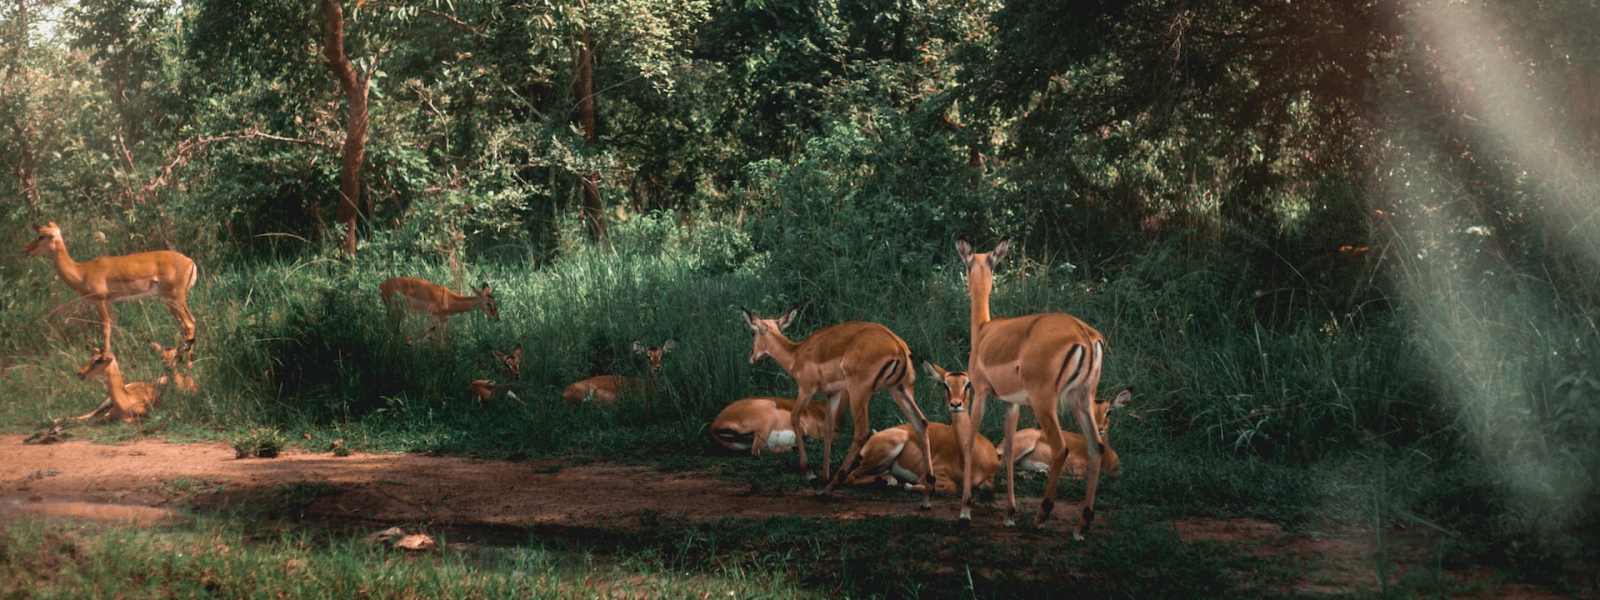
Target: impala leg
[
  {"x": 980, "y": 395},
  {"x": 1012, "y": 410},
  {"x": 103, "y": 408},
  {"x": 800, "y": 403},
  {"x": 177, "y": 306},
  {"x": 858, "y": 437},
  {"x": 1050, "y": 430},
  {"x": 104, "y": 306},
  {"x": 1093, "y": 448},
  {"x": 828, "y": 436},
  {"x": 908, "y": 405}
]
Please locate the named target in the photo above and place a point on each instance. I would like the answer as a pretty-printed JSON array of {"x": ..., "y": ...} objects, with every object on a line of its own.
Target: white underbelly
[
  {"x": 128, "y": 295},
  {"x": 780, "y": 438}
]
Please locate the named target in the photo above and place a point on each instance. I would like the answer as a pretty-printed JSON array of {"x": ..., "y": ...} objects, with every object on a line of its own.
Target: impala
[
  {"x": 1050, "y": 361},
  {"x": 120, "y": 278},
  {"x": 1035, "y": 457},
  {"x": 484, "y": 389},
  {"x": 512, "y": 361},
  {"x": 126, "y": 402},
  {"x": 605, "y": 389},
  {"x": 849, "y": 361},
  {"x": 893, "y": 453},
  {"x": 169, "y": 359},
  {"x": 425, "y": 297},
  {"x": 751, "y": 424}
]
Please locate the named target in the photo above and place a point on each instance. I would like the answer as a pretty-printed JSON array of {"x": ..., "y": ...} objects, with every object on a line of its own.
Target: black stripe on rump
[
  {"x": 877, "y": 382},
  {"x": 1075, "y": 361}
]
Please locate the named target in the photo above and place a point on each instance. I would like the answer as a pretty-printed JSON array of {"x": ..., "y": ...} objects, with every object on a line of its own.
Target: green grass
[{"x": 1233, "y": 415}]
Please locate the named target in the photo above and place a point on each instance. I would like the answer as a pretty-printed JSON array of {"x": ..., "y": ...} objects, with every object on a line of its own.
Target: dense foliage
[{"x": 1311, "y": 230}]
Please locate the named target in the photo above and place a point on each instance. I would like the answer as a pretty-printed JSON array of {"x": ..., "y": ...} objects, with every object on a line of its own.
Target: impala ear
[
  {"x": 1123, "y": 397},
  {"x": 668, "y": 345},
  {"x": 965, "y": 248},
  {"x": 999, "y": 251},
  {"x": 518, "y": 352},
  {"x": 787, "y": 318},
  {"x": 638, "y": 347},
  {"x": 156, "y": 346},
  {"x": 933, "y": 371}
]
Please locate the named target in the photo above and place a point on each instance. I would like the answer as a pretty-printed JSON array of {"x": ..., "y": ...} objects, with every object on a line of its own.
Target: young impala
[
  {"x": 849, "y": 362},
  {"x": 437, "y": 301},
  {"x": 484, "y": 389},
  {"x": 1033, "y": 456},
  {"x": 751, "y": 424},
  {"x": 126, "y": 402},
  {"x": 894, "y": 454},
  {"x": 605, "y": 389},
  {"x": 512, "y": 361},
  {"x": 122, "y": 278},
  {"x": 169, "y": 359},
  {"x": 1048, "y": 360}
]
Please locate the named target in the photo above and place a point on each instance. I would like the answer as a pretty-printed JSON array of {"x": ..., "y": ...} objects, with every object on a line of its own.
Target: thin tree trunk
[
  {"x": 27, "y": 162},
  {"x": 355, "y": 132},
  {"x": 594, "y": 208}
]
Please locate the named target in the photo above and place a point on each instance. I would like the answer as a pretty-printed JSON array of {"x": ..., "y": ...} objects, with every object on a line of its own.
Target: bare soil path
[{"x": 141, "y": 481}]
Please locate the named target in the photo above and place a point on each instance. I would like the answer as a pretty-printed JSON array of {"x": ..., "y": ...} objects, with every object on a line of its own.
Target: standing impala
[
  {"x": 848, "y": 361},
  {"x": 1048, "y": 360},
  {"x": 894, "y": 453},
  {"x": 126, "y": 402},
  {"x": 437, "y": 301},
  {"x": 118, "y": 278}
]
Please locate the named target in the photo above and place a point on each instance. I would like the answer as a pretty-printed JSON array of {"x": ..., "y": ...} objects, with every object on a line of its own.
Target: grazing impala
[
  {"x": 126, "y": 402},
  {"x": 751, "y": 424},
  {"x": 894, "y": 454},
  {"x": 849, "y": 361},
  {"x": 120, "y": 278},
  {"x": 169, "y": 359},
  {"x": 605, "y": 389},
  {"x": 1032, "y": 456},
  {"x": 512, "y": 361},
  {"x": 1048, "y": 360},
  {"x": 437, "y": 301}
]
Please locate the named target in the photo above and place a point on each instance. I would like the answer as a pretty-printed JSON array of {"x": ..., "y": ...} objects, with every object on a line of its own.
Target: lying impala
[
  {"x": 512, "y": 361},
  {"x": 893, "y": 454},
  {"x": 751, "y": 424},
  {"x": 437, "y": 301},
  {"x": 849, "y": 361},
  {"x": 1048, "y": 360},
  {"x": 484, "y": 389},
  {"x": 169, "y": 359},
  {"x": 604, "y": 389},
  {"x": 122, "y": 278},
  {"x": 1033, "y": 456},
  {"x": 126, "y": 402}
]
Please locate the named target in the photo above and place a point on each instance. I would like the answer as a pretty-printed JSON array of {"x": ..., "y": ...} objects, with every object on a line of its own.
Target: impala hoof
[
  {"x": 1010, "y": 522},
  {"x": 964, "y": 523},
  {"x": 925, "y": 507}
]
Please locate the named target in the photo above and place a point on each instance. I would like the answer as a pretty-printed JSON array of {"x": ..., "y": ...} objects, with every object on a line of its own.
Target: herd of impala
[{"x": 1048, "y": 361}]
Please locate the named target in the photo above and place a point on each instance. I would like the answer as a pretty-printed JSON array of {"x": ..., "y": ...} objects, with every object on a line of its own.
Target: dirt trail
[{"x": 137, "y": 481}]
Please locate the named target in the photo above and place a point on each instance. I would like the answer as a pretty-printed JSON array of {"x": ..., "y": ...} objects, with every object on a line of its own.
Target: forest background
[{"x": 1345, "y": 252}]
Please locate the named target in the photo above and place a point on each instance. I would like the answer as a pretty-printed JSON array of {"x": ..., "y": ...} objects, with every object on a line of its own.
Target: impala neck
[
  {"x": 979, "y": 283},
  {"x": 459, "y": 303},
  {"x": 782, "y": 352},
  {"x": 66, "y": 269},
  {"x": 116, "y": 387}
]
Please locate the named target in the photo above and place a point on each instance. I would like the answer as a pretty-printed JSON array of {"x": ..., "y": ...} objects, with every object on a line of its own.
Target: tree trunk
[
  {"x": 27, "y": 161},
  {"x": 594, "y": 208},
  {"x": 355, "y": 126}
]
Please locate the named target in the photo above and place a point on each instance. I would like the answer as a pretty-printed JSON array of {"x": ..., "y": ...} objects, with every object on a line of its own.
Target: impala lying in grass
[
  {"x": 1032, "y": 455},
  {"x": 126, "y": 402},
  {"x": 751, "y": 424},
  {"x": 605, "y": 389},
  {"x": 894, "y": 456}
]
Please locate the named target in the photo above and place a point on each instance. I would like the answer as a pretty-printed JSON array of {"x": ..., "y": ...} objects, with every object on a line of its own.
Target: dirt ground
[{"x": 142, "y": 481}]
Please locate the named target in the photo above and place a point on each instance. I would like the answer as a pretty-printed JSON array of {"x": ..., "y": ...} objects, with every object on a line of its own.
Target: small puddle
[{"x": 138, "y": 515}]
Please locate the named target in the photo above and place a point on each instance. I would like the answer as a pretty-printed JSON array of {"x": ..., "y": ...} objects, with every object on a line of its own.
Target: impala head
[
  {"x": 491, "y": 306},
  {"x": 100, "y": 361},
  {"x": 654, "y": 353},
  {"x": 49, "y": 238},
  {"x": 512, "y": 361},
  {"x": 768, "y": 332},
  {"x": 957, "y": 387},
  {"x": 980, "y": 267},
  {"x": 1102, "y": 407},
  {"x": 169, "y": 356}
]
